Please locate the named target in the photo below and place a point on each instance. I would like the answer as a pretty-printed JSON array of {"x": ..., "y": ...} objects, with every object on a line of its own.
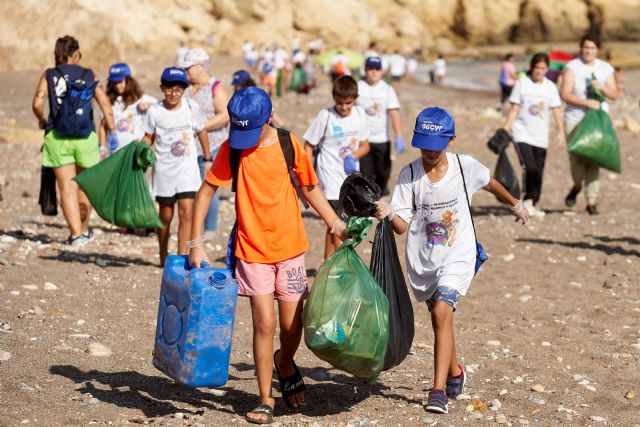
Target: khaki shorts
[{"x": 58, "y": 151}]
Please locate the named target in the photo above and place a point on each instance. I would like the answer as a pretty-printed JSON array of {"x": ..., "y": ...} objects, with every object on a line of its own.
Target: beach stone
[
  {"x": 428, "y": 421},
  {"x": 48, "y": 286},
  {"x": 4, "y": 356},
  {"x": 538, "y": 388},
  {"x": 93, "y": 401},
  {"x": 631, "y": 125},
  {"x": 496, "y": 405},
  {"x": 494, "y": 343},
  {"x": 517, "y": 380},
  {"x": 597, "y": 419},
  {"x": 630, "y": 395},
  {"x": 99, "y": 350},
  {"x": 503, "y": 392},
  {"x": 7, "y": 239},
  {"x": 37, "y": 310},
  {"x": 80, "y": 322},
  {"x": 463, "y": 396},
  {"x": 536, "y": 400},
  {"x": 476, "y": 416},
  {"x": 501, "y": 419},
  {"x": 30, "y": 287}
]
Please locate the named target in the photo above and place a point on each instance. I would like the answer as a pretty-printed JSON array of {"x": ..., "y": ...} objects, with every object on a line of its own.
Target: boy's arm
[
  {"x": 567, "y": 95},
  {"x": 518, "y": 209},
  {"x": 557, "y": 115},
  {"x": 204, "y": 196},
  {"x": 513, "y": 112},
  {"x": 203, "y": 136},
  {"x": 362, "y": 150},
  {"x": 316, "y": 199},
  {"x": 149, "y": 139}
]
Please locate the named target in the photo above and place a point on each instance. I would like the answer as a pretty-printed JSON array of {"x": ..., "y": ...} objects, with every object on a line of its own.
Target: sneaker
[
  {"x": 438, "y": 403},
  {"x": 533, "y": 211},
  {"x": 455, "y": 385},
  {"x": 570, "y": 200},
  {"x": 77, "y": 241},
  {"x": 592, "y": 209}
]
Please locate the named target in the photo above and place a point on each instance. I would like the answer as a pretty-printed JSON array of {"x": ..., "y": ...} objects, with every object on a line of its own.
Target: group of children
[{"x": 430, "y": 200}]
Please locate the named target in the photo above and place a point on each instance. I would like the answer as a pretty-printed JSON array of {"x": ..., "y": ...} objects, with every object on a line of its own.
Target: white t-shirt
[
  {"x": 281, "y": 56},
  {"x": 535, "y": 101},
  {"x": 299, "y": 57},
  {"x": 397, "y": 65},
  {"x": 247, "y": 47},
  {"x": 176, "y": 167},
  {"x": 441, "y": 249},
  {"x": 377, "y": 101},
  {"x": 412, "y": 65},
  {"x": 440, "y": 67},
  {"x": 339, "y": 137},
  {"x": 129, "y": 120},
  {"x": 581, "y": 84}
]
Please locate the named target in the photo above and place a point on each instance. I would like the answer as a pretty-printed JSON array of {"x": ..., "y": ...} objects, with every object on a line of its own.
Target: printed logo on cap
[{"x": 430, "y": 126}]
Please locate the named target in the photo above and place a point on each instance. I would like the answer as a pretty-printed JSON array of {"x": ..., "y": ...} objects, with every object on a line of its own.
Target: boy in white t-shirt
[
  {"x": 381, "y": 105},
  {"x": 170, "y": 126},
  {"x": 431, "y": 200},
  {"x": 397, "y": 68},
  {"x": 340, "y": 137}
]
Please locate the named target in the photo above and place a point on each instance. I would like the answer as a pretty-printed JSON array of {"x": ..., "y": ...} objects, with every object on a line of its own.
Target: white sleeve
[
  {"x": 392, "y": 99},
  {"x": 554, "y": 99},
  {"x": 149, "y": 121},
  {"x": 515, "y": 97},
  {"x": 476, "y": 175},
  {"x": 199, "y": 119},
  {"x": 402, "y": 200},
  {"x": 364, "y": 129},
  {"x": 318, "y": 127}
]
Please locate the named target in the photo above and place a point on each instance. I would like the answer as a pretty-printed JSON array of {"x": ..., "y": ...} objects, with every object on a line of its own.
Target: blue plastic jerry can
[{"x": 195, "y": 323}]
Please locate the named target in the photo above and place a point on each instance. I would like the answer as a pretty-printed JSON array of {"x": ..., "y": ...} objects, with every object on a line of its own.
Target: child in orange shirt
[{"x": 270, "y": 240}]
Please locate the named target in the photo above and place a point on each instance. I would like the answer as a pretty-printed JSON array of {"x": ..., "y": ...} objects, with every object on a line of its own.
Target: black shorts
[
  {"x": 337, "y": 208},
  {"x": 172, "y": 199},
  {"x": 396, "y": 78}
]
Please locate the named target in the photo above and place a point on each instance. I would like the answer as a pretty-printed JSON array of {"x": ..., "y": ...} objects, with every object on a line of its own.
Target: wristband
[
  {"x": 333, "y": 227},
  {"x": 195, "y": 243}
]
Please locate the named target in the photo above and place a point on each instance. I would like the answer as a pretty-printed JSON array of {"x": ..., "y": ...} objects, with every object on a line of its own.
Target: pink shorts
[{"x": 286, "y": 280}]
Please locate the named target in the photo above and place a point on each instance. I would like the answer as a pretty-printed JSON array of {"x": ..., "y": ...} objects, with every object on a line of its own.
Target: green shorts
[{"x": 58, "y": 151}]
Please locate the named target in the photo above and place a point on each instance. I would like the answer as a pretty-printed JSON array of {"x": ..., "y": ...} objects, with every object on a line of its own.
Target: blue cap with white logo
[
  {"x": 434, "y": 129},
  {"x": 373, "y": 62},
  {"x": 240, "y": 77},
  {"x": 249, "y": 109},
  {"x": 174, "y": 75},
  {"x": 118, "y": 72}
]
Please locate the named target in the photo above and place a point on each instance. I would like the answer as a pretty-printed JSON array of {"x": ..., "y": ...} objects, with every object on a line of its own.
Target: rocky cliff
[{"x": 109, "y": 28}]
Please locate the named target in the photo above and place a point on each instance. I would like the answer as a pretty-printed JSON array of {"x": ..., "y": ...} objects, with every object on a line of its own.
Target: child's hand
[
  {"x": 521, "y": 213},
  {"x": 197, "y": 256},
  {"x": 399, "y": 143},
  {"x": 340, "y": 229},
  {"x": 384, "y": 210},
  {"x": 112, "y": 141},
  {"x": 349, "y": 164}
]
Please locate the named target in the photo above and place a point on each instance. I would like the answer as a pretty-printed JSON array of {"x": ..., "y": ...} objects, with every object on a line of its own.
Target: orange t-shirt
[{"x": 270, "y": 225}]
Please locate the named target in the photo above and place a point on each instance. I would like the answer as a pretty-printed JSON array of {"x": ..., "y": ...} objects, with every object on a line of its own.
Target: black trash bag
[
  {"x": 358, "y": 194},
  {"x": 48, "y": 199},
  {"x": 386, "y": 268},
  {"x": 506, "y": 175},
  {"x": 499, "y": 141}
]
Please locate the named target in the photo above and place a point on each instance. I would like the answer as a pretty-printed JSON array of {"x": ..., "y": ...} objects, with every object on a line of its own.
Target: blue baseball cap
[
  {"x": 434, "y": 129},
  {"x": 118, "y": 72},
  {"x": 249, "y": 109},
  {"x": 240, "y": 77},
  {"x": 373, "y": 62},
  {"x": 174, "y": 75}
]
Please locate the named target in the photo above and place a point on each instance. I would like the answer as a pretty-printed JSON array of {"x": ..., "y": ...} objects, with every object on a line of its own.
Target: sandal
[
  {"x": 291, "y": 385},
  {"x": 260, "y": 410}
]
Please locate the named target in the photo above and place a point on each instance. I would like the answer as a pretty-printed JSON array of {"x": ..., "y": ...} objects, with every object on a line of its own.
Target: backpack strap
[
  {"x": 286, "y": 144},
  {"x": 214, "y": 86},
  {"x": 413, "y": 193},
  {"x": 467, "y": 196}
]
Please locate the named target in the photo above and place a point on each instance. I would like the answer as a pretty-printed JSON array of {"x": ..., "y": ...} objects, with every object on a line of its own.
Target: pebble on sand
[
  {"x": 98, "y": 350},
  {"x": 48, "y": 286},
  {"x": 630, "y": 395},
  {"x": 494, "y": 343},
  {"x": 4, "y": 356},
  {"x": 538, "y": 388},
  {"x": 501, "y": 419}
]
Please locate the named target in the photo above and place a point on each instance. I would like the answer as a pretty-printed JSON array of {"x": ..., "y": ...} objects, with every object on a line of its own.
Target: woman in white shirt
[{"x": 533, "y": 98}]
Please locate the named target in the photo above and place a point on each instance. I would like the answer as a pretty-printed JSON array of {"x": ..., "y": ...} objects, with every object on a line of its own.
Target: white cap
[{"x": 195, "y": 56}]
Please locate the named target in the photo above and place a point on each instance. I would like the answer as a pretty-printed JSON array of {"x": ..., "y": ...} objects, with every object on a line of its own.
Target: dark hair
[
  {"x": 65, "y": 47},
  {"x": 246, "y": 83},
  {"x": 132, "y": 91},
  {"x": 508, "y": 56},
  {"x": 167, "y": 84},
  {"x": 345, "y": 87},
  {"x": 592, "y": 37},
  {"x": 538, "y": 57}
]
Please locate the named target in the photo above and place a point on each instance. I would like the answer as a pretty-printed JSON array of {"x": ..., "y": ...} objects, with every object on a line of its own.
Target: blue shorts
[{"x": 442, "y": 293}]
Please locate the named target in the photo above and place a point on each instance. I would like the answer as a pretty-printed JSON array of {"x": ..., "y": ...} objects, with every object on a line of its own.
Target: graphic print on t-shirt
[
  {"x": 536, "y": 109},
  {"x": 180, "y": 147},
  {"x": 442, "y": 231},
  {"x": 296, "y": 280}
]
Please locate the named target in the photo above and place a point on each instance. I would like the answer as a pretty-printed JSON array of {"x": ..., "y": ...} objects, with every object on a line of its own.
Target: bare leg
[
  {"x": 85, "y": 205},
  {"x": 166, "y": 215},
  {"x": 264, "y": 327},
  {"x": 69, "y": 197},
  {"x": 290, "y": 313},
  {"x": 444, "y": 349},
  {"x": 185, "y": 215}
]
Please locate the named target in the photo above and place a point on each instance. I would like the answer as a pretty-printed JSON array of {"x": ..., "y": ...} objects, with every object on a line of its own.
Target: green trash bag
[
  {"x": 298, "y": 79},
  {"x": 346, "y": 319},
  {"x": 595, "y": 141},
  {"x": 117, "y": 189}
]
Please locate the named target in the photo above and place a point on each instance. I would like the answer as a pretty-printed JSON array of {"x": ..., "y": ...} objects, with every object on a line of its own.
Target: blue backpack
[{"x": 74, "y": 118}]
